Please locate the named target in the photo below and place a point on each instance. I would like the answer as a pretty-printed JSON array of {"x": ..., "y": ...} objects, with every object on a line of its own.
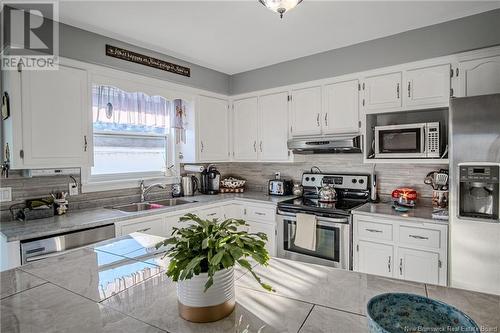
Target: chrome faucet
[{"x": 145, "y": 190}]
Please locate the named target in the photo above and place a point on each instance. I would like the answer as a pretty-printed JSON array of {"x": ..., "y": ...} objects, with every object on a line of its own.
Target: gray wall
[
  {"x": 89, "y": 47},
  {"x": 472, "y": 32}
]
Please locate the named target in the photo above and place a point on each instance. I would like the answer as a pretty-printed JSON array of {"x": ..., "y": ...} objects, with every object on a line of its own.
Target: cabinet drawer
[
  {"x": 258, "y": 213},
  {"x": 211, "y": 213},
  {"x": 420, "y": 237},
  {"x": 374, "y": 230},
  {"x": 151, "y": 227}
]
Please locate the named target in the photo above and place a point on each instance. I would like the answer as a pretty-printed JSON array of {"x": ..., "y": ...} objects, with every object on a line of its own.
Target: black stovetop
[{"x": 342, "y": 206}]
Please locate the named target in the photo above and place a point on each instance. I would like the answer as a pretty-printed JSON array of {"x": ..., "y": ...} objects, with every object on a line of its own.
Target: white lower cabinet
[
  {"x": 400, "y": 248},
  {"x": 269, "y": 230},
  {"x": 210, "y": 213},
  {"x": 375, "y": 258},
  {"x": 418, "y": 265}
]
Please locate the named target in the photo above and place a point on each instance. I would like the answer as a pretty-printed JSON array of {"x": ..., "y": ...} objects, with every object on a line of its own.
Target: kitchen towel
[{"x": 305, "y": 233}]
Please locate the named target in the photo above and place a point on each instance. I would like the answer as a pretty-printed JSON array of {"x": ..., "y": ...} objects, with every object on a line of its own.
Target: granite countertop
[
  {"x": 88, "y": 218},
  {"x": 419, "y": 213},
  {"x": 119, "y": 286}
]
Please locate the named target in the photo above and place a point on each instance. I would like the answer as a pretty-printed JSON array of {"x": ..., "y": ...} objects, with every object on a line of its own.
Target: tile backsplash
[{"x": 389, "y": 176}]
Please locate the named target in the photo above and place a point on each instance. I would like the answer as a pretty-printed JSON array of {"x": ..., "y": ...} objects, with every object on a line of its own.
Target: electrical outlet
[
  {"x": 5, "y": 194},
  {"x": 73, "y": 189}
]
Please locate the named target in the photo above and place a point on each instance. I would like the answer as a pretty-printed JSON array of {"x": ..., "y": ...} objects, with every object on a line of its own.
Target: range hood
[{"x": 325, "y": 145}]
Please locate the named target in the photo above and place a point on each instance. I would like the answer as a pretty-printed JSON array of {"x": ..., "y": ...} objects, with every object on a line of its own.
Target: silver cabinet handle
[
  {"x": 255, "y": 146},
  {"x": 389, "y": 264},
  {"x": 409, "y": 88},
  {"x": 397, "y": 90},
  {"x": 85, "y": 143},
  {"x": 211, "y": 214},
  {"x": 259, "y": 213},
  {"x": 202, "y": 146},
  {"x": 317, "y": 119},
  {"x": 326, "y": 119},
  {"x": 244, "y": 211},
  {"x": 418, "y": 237},
  {"x": 373, "y": 230},
  {"x": 400, "y": 266},
  {"x": 143, "y": 230},
  {"x": 260, "y": 146}
]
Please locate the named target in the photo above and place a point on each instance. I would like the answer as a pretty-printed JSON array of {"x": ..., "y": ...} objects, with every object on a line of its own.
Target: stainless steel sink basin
[
  {"x": 171, "y": 202},
  {"x": 140, "y": 206}
]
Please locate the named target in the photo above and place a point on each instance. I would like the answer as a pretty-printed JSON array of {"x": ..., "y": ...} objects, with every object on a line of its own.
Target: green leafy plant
[{"x": 208, "y": 246}]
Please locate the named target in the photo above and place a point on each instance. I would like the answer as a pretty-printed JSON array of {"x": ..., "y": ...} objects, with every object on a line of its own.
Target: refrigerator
[{"x": 474, "y": 225}]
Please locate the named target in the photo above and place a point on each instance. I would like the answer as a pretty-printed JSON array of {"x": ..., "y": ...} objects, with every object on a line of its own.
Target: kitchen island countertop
[
  {"x": 119, "y": 286},
  {"x": 89, "y": 218}
]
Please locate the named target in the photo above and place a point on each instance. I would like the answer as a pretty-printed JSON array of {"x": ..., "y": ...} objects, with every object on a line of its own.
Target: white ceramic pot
[{"x": 214, "y": 304}]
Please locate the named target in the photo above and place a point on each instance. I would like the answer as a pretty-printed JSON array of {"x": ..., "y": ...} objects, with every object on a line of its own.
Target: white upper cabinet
[
  {"x": 383, "y": 92},
  {"x": 306, "y": 111},
  {"x": 273, "y": 110},
  {"x": 341, "y": 107},
  {"x": 213, "y": 129},
  {"x": 479, "y": 76},
  {"x": 55, "y": 118},
  {"x": 428, "y": 86},
  {"x": 245, "y": 129}
]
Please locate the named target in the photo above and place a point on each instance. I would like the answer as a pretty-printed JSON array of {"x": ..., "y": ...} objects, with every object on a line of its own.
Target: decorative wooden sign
[{"x": 131, "y": 56}]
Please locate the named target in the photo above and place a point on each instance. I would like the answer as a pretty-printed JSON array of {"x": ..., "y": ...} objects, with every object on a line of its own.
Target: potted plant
[{"x": 202, "y": 259}]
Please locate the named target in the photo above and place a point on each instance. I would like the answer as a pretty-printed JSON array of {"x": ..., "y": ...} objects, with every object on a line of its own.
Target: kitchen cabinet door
[
  {"x": 383, "y": 92},
  {"x": 213, "y": 129},
  {"x": 211, "y": 213},
  {"x": 479, "y": 76},
  {"x": 341, "y": 108},
  {"x": 245, "y": 129},
  {"x": 273, "y": 110},
  {"x": 419, "y": 266},
  {"x": 55, "y": 118},
  {"x": 375, "y": 258},
  {"x": 306, "y": 111},
  {"x": 427, "y": 87},
  {"x": 269, "y": 230}
]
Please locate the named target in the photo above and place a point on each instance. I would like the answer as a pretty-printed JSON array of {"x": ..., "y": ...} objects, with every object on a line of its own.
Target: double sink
[{"x": 141, "y": 206}]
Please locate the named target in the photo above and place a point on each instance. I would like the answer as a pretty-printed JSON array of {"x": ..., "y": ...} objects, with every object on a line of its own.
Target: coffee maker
[
  {"x": 210, "y": 180},
  {"x": 479, "y": 194}
]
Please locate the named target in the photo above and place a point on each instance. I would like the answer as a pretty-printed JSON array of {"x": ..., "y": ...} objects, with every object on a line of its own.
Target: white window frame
[{"x": 132, "y": 82}]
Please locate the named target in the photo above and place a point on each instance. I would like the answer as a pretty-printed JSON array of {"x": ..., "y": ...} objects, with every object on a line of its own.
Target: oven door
[
  {"x": 400, "y": 141},
  {"x": 332, "y": 241}
]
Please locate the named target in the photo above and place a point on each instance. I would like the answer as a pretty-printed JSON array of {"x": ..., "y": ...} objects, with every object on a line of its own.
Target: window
[{"x": 131, "y": 131}]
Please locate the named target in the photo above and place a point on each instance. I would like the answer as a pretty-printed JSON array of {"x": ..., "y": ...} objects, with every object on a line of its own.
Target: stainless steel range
[{"x": 333, "y": 219}]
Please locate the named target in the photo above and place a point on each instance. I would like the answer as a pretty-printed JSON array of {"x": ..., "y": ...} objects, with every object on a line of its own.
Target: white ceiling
[{"x": 237, "y": 36}]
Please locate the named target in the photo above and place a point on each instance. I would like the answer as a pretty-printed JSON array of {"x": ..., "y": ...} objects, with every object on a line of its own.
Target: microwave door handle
[{"x": 424, "y": 141}]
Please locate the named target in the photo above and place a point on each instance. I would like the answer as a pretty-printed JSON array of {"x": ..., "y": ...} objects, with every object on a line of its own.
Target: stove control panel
[{"x": 347, "y": 182}]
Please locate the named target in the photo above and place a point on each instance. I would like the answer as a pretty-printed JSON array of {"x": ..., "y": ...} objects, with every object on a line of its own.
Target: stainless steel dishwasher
[{"x": 40, "y": 248}]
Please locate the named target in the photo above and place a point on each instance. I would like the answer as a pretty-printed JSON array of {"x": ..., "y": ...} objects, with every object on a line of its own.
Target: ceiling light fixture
[{"x": 280, "y": 6}]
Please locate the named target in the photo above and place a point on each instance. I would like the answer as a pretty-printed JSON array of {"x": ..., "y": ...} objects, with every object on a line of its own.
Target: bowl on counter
[
  {"x": 404, "y": 313},
  {"x": 233, "y": 182}
]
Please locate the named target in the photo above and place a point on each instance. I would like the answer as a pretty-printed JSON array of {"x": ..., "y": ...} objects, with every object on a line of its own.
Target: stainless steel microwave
[{"x": 420, "y": 140}]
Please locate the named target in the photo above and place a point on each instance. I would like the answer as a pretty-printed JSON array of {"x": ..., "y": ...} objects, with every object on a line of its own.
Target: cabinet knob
[
  {"x": 326, "y": 119},
  {"x": 317, "y": 119},
  {"x": 389, "y": 264}
]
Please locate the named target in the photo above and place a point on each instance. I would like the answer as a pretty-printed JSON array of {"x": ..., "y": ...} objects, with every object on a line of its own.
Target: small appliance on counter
[
  {"x": 210, "y": 180},
  {"x": 405, "y": 197},
  {"x": 280, "y": 186},
  {"x": 189, "y": 185}
]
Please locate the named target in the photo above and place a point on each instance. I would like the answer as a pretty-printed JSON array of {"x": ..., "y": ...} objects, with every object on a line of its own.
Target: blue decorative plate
[{"x": 406, "y": 313}]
